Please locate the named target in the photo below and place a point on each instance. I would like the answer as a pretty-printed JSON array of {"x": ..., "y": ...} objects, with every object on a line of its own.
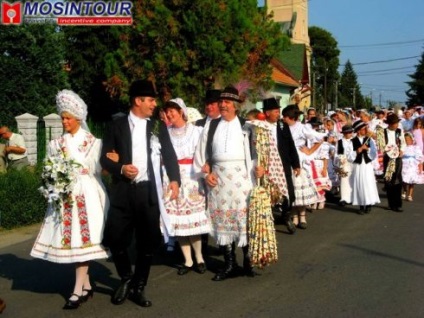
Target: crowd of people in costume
[{"x": 182, "y": 178}]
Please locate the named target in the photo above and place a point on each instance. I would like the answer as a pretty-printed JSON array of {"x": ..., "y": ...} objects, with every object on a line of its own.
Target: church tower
[{"x": 293, "y": 18}]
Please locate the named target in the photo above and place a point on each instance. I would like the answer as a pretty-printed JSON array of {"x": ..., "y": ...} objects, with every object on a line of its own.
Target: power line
[
  {"x": 386, "y": 61},
  {"x": 382, "y": 74},
  {"x": 381, "y": 44},
  {"x": 389, "y": 69}
]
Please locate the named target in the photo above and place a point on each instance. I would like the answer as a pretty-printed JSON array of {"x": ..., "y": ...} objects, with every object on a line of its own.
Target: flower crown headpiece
[{"x": 69, "y": 101}]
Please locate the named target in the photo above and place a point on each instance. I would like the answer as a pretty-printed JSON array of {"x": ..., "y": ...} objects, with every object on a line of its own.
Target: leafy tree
[
  {"x": 350, "y": 91},
  {"x": 88, "y": 51},
  {"x": 31, "y": 72},
  {"x": 187, "y": 47},
  {"x": 415, "y": 92},
  {"x": 324, "y": 65}
]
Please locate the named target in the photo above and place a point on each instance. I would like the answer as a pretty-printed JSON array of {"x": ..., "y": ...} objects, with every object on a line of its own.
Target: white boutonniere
[{"x": 155, "y": 144}]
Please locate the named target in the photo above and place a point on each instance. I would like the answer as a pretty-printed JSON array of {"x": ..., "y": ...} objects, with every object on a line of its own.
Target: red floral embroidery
[
  {"x": 67, "y": 225},
  {"x": 83, "y": 221}
]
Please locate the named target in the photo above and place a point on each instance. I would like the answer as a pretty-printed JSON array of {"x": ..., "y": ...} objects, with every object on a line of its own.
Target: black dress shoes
[
  {"x": 73, "y": 304},
  {"x": 302, "y": 225},
  {"x": 139, "y": 297},
  {"x": 201, "y": 268},
  {"x": 183, "y": 270},
  {"x": 397, "y": 209},
  {"x": 342, "y": 203},
  {"x": 122, "y": 292},
  {"x": 368, "y": 209},
  {"x": 361, "y": 210},
  {"x": 89, "y": 294}
]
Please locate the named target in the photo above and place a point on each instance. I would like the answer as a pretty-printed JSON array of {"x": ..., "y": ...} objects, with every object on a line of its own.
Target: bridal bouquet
[{"x": 58, "y": 179}]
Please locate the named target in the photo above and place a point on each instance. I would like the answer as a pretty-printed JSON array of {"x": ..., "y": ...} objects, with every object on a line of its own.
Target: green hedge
[{"x": 20, "y": 201}]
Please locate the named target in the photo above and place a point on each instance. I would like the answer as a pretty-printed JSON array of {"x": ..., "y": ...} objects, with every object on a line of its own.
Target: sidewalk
[{"x": 19, "y": 235}]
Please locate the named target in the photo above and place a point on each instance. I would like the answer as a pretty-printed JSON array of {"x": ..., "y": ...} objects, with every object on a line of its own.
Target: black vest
[
  {"x": 356, "y": 144},
  {"x": 340, "y": 148},
  {"x": 397, "y": 136}
]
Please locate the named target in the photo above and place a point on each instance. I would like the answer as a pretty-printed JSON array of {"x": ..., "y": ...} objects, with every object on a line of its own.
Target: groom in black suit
[
  {"x": 137, "y": 140},
  {"x": 288, "y": 155}
]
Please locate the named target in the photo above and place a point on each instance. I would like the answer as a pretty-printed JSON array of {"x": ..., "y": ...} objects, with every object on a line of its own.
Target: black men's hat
[
  {"x": 142, "y": 88},
  {"x": 347, "y": 129},
  {"x": 270, "y": 103},
  {"x": 392, "y": 119},
  {"x": 231, "y": 93},
  {"x": 357, "y": 125},
  {"x": 212, "y": 96}
]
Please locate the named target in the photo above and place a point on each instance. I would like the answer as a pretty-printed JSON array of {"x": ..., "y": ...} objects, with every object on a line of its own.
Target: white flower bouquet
[
  {"x": 58, "y": 179},
  {"x": 340, "y": 169}
]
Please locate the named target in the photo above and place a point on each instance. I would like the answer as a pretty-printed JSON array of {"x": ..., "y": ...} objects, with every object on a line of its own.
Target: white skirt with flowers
[
  {"x": 187, "y": 215},
  {"x": 74, "y": 235}
]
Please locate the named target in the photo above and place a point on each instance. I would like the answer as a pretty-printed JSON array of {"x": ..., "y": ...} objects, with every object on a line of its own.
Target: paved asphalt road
[{"x": 343, "y": 265}]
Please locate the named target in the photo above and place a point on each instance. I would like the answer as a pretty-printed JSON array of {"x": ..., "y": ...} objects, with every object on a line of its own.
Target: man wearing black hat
[
  {"x": 211, "y": 107},
  {"x": 225, "y": 147},
  {"x": 395, "y": 145},
  {"x": 139, "y": 141},
  {"x": 288, "y": 155}
]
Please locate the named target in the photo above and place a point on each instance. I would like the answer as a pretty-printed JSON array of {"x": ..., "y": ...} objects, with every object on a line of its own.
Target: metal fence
[{"x": 44, "y": 135}]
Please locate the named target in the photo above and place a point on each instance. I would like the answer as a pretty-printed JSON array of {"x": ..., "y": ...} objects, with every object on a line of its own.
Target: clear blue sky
[{"x": 372, "y": 31}]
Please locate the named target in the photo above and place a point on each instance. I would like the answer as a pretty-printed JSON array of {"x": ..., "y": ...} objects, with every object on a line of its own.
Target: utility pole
[
  {"x": 379, "y": 101},
  {"x": 354, "y": 98},
  {"x": 313, "y": 90},
  {"x": 325, "y": 92},
  {"x": 325, "y": 87},
  {"x": 336, "y": 95}
]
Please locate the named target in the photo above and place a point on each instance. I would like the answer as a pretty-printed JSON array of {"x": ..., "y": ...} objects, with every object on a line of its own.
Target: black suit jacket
[
  {"x": 118, "y": 138},
  {"x": 201, "y": 122},
  {"x": 288, "y": 155}
]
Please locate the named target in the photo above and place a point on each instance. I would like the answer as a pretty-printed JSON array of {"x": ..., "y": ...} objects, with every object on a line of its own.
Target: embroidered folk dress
[
  {"x": 305, "y": 189},
  {"x": 74, "y": 233},
  {"x": 411, "y": 158},
  {"x": 270, "y": 157},
  {"x": 228, "y": 202},
  {"x": 187, "y": 215},
  {"x": 322, "y": 183}
]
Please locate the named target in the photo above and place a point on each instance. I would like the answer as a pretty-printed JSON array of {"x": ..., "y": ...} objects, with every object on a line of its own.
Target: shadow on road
[
  {"x": 375, "y": 253},
  {"x": 45, "y": 277}
]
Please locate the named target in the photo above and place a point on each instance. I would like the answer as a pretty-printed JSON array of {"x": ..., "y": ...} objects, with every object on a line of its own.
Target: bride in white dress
[{"x": 72, "y": 229}]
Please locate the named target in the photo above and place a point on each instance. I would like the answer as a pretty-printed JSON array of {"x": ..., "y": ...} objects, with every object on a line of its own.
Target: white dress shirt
[{"x": 139, "y": 146}]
